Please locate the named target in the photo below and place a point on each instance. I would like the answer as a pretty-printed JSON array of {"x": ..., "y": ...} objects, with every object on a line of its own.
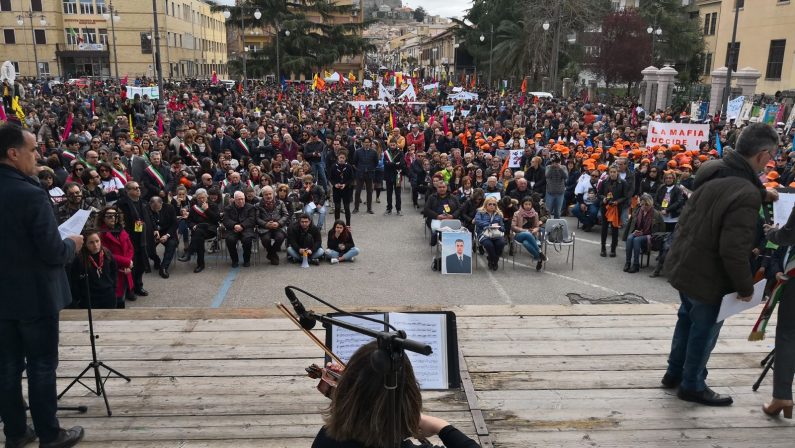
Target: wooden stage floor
[{"x": 543, "y": 376}]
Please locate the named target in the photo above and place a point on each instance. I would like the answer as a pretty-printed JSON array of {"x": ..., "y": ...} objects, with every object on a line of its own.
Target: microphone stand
[{"x": 95, "y": 364}]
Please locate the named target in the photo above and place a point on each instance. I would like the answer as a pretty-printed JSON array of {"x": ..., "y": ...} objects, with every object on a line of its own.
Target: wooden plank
[{"x": 474, "y": 408}]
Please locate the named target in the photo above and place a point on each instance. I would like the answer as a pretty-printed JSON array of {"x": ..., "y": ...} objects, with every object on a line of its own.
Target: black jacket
[
  {"x": 33, "y": 281},
  {"x": 315, "y": 194},
  {"x": 614, "y": 191},
  {"x": 207, "y": 224},
  {"x": 675, "y": 202},
  {"x": 246, "y": 217},
  {"x": 165, "y": 223},
  {"x": 298, "y": 238},
  {"x": 341, "y": 174},
  {"x": 399, "y": 164},
  {"x": 435, "y": 206},
  {"x": 341, "y": 245},
  {"x": 102, "y": 286},
  {"x": 150, "y": 187},
  {"x": 132, "y": 213},
  {"x": 365, "y": 162}
]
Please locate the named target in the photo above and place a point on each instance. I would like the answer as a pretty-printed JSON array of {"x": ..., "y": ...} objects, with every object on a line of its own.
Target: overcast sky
[{"x": 444, "y": 8}]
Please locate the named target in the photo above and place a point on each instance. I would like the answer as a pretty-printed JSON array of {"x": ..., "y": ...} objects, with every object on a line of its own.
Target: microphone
[{"x": 307, "y": 323}]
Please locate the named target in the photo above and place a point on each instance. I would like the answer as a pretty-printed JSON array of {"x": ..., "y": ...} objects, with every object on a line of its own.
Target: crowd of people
[{"x": 264, "y": 166}]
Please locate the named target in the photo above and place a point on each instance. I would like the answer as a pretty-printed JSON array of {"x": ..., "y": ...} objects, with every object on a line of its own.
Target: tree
[
  {"x": 419, "y": 14},
  {"x": 682, "y": 42},
  {"x": 624, "y": 48},
  {"x": 311, "y": 45}
]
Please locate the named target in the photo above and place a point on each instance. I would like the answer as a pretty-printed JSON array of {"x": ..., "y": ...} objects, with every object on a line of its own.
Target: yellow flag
[
  {"x": 422, "y": 117},
  {"x": 132, "y": 132},
  {"x": 449, "y": 83},
  {"x": 354, "y": 90},
  {"x": 314, "y": 81},
  {"x": 327, "y": 74},
  {"x": 18, "y": 110}
]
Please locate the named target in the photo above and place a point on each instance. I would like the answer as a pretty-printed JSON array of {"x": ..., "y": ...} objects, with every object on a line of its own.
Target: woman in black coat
[
  {"x": 203, "y": 221},
  {"x": 612, "y": 192},
  {"x": 669, "y": 200},
  {"x": 341, "y": 178},
  {"x": 92, "y": 276},
  {"x": 340, "y": 243}
]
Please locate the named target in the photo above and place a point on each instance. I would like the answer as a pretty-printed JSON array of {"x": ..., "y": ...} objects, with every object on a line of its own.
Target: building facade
[
  {"x": 765, "y": 39},
  {"x": 74, "y": 38}
]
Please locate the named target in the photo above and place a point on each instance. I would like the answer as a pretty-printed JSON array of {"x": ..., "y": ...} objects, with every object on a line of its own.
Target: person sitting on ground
[
  {"x": 340, "y": 243},
  {"x": 525, "y": 226},
  {"x": 240, "y": 218},
  {"x": 92, "y": 275},
  {"x": 440, "y": 205},
  {"x": 490, "y": 230},
  {"x": 358, "y": 406},
  {"x": 645, "y": 221},
  {"x": 272, "y": 220},
  {"x": 303, "y": 239}
]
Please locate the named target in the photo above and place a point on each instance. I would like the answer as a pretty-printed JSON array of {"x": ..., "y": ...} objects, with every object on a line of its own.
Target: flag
[
  {"x": 326, "y": 74},
  {"x": 391, "y": 121},
  {"x": 366, "y": 112},
  {"x": 430, "y": 122},
  {"x": 524, "y": 85},
  {"x": 159, "y": 125},
  {"x": 422, "y": 117},
  {"x": 18, "y": 110},
  {"x": 351, "y": 77},
  {"x": 354, "y": 90},
  {"x": 444, "y": 123},
  {"x": 314, "y": 82},
  {"x": 321, "y": 83},
  {"x": 214, "y": 79},
  {"x": 132, "y": 131},
  {"x": 718, "y": 145},
  {"x": 124, "y": 80},
  {"x": 450, "y": 83},
  {"x": 93, "y": 106},
  {"x": 240, "y": 87},
  {"x": 68, "y": 128},
  {"x": 474, "y": 80},
  {"x": 283, "y": 82},
  {"x": 3, "y": 116}
]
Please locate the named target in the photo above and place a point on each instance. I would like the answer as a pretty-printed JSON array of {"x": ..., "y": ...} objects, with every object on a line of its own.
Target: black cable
[{"x": 361, "y": 316}]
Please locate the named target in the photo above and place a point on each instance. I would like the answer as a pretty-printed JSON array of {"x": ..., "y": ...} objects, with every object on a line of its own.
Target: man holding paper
[
  {"x": 33, "y": 290},
  {"x": 710, "y": 257}
]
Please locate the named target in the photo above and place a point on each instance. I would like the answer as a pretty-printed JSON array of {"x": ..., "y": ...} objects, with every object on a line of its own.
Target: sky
[{"x": 444, "y": 8}]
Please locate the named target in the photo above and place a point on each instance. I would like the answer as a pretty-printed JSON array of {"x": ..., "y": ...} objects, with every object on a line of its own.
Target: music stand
[
  {"x": 767, "y": 364},
  {"x": 95, "y": 363}
]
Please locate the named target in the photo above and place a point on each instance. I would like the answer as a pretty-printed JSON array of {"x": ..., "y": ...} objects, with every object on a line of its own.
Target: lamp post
[
  {"x": 158, "y": 64},
  {"x": 257, "y": 16},
  {"x": 654, "y": 35},
  {"x": 725, "y": 100},
  {"x": 491, "y": 49},
  {"x": 113, "y": 16},
  {"x": 278, "y": 51},
  {"x": 553, "y": 69},
  {"x": 42, "y": 22}
]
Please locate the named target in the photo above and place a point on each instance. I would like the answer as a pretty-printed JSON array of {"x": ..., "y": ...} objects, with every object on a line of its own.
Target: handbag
[{"x": 491, "y": 232}]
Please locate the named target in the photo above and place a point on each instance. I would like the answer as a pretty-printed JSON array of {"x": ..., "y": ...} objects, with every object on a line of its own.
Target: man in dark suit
[
  {"x": 220, "y": 142},
  {"x": 459, "y": 263},
  {"x": 157, "y": 179},
  {"x": 163, "y": 231},
  {"x": 240, "y": 218},
  {"x": 137, "y": 224},
  {"x": 33, "y": 290}
]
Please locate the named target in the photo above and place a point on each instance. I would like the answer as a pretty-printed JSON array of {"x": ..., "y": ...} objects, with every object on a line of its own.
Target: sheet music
[
  {"x": 431, "y": 329},
  {"x": 345, "y": 342}
]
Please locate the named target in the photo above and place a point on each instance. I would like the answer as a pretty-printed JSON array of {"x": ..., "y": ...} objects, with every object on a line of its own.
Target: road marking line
[
  {"x": 220, "y": 296},
  {"x": 576, "y": 280}
]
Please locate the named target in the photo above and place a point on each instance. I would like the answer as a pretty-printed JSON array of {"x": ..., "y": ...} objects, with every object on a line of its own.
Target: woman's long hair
[{"x": 359, "y": 409}]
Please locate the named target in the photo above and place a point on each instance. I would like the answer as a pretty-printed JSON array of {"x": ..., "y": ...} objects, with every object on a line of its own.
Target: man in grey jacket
[
  {"x": 556, "y": 175},
  {"x": 33, "y": 290}
]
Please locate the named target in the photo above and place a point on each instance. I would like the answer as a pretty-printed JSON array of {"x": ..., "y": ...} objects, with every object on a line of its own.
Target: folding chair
[{"x": 568, "y": 239}]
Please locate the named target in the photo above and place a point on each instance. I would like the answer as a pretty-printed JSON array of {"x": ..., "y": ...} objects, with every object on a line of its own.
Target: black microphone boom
[{"x": 306, "y": 321}]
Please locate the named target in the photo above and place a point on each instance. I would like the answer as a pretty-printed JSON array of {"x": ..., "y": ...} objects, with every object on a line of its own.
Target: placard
[
  {"x": 782, "y": 208},
  {"x": 686, "y": 135},
  {"x": 152, "y": 92},
  {"x": 438, "y": 371}
]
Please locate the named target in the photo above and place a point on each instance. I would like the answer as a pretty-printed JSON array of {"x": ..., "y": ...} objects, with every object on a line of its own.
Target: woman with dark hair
[
  {"x": 525, "y": 226},
  {"x": 110, "y": 184},
  {"x": 359, "y": 415},
  {"x": 340, "y": 243},
  {"x": 47, "y": 180},
  {"x": 466, "y": 213},
  {"x": 110, "y": 224},
  {"x": 93, "y": 275}
]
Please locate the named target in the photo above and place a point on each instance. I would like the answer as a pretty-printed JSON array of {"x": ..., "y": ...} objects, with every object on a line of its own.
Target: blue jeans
[
  {"x": 352, "y": 252},
  {"x": 319, "y": 168},
  {"x": 182, "y": 230},
  {"x": 321, "y": 212},
  {"x": 589, "y": 216},
  {"x": 34, "y": 342},
  {"x": 295, "y": 256},
  {"x": 529, "y": 241},
  {"x": 635, "y": 246},
  {"x": 695, "y": 335},
  {"x": 554, "y": 204}
]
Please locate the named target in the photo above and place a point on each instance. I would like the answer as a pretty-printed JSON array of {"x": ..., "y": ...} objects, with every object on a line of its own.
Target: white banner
[
  {"x": 734, "y": 107},
  {"x": 409, "y": 93},
  {"x": 367, "y": 84},
  {"x": 383, "y": 93},
  {"x": 431, "y": 86},
  {"x": 688, "y": 136},
  {"x": 790, "y": 120},
  {"x": 516, "y": 158},
  {"x": 151, "y": 92}
]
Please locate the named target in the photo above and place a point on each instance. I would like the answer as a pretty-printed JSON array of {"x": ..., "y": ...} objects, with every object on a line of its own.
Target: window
[
  {"x": 707, "y": 70},
  {"x": 740, "y": 3},
  {"x": 71, "y": 36},
  {"x": 101, "y": 8},
  {"x": 5, "y": 5},
  {"x": 146, "y": 43},
  {"x": 40, "y": 37},
  {"x": 44, "y": 68},
  {"x": 9, "y": 37},
  {"x": 16, "y": 66},
  {"x": 89, "y": 35},
  {"x": 710, "y": 24},
  {"x": 732, "y": 55},
  {"x": 102, "y": 35},
  {"x": 35, "y": 5},
  {"x": 86, "y": 7},
  {"x": 775, "y": 59},
  {"x": 70, "y": 6}
]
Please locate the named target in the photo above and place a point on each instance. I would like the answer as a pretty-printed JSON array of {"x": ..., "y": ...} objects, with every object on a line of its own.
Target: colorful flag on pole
[
  {"x": 524, "y": 85},
  {"x": 718, "y": 145},
  {"x": 3, "y": 113},
  {"x": 68, "y": 128}
]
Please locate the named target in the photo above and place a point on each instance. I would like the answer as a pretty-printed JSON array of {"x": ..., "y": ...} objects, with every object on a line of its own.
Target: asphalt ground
[{"x": 394, "y": 268}]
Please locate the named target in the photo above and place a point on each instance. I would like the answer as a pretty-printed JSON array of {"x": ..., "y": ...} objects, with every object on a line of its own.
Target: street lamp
[
  {"x": 654, "y": 34},
  {"x": 553, "y": 69},
  {"x": 112, "y": 12},
  {"x": 42, "y": 22},
  {"x": 491, "y": 50},
  {"x": 257, "y": 16}
]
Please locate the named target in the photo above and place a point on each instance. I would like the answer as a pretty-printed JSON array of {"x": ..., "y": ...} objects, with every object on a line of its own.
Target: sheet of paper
[
  {"x": 431, "y": 371},
  {"x": 345, "y": 342},
  {"x": 732, "y": 306},
  {"x": 782, "y": 208},
  {"x": 75, "y": 224}
]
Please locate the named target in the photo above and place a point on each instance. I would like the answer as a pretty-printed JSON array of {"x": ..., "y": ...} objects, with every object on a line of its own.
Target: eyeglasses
[
  {"x": 110, "y": 216},
  {"x": 133, "y": 188},
  {"x": 78, "y": 169}
]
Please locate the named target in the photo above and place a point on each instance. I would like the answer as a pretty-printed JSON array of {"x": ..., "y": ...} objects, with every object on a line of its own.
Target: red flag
[
  {"x": 214, "y": 79},
  {"x": 124, "y": 80},
  {"x": 240, "y": 87},
  {"x": 279, "y": 97},
  {"x": 524, "y": 85},
  {"x": 93, "y": 106},
  {"x": 366, "y": 112},
  {"x": 68, "y": 128},
  {"x": 430, "y": 122},
  {"x": 521, "y": 100},
  {"x": 3, "y": 113},
  {"x": 444, "y": 123},
  {"x": 159, "y": 125}
]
